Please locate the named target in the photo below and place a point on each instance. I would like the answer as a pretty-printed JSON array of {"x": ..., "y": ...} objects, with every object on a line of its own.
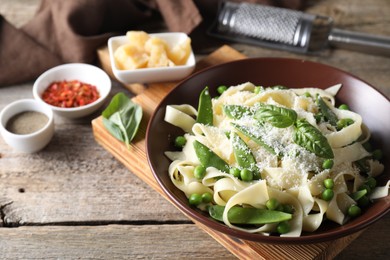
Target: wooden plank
[
  {"x": 67, "y": 186},
  {"x": 109, "y": 242},
  {"x": 135, "y": 160}
]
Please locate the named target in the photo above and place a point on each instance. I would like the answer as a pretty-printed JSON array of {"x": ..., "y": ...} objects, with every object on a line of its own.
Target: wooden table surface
[{"x": 75, "y": 200}]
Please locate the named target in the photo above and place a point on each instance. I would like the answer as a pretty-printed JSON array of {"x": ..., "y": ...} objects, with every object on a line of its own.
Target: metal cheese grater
[{"x": 289, "y": 30}]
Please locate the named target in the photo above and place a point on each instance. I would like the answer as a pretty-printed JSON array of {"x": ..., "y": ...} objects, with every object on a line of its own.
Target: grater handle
[{"x": 358, "y": 41}]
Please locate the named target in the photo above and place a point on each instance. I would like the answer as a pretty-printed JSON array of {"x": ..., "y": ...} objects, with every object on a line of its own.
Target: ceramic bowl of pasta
[
  {"x": 140, "y": 57},
  {"x": 274, "y": 150}
]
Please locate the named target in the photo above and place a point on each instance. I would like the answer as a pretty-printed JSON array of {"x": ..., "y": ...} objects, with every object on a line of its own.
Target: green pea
[
  {"x": 327, "y": 194},
  {"x": 329, "y": 183},
  {"x": 371, "y": 182},
  {"x": 180, "y": 141},
  {"x": 221, "y": 89},
  {"x": 283, "y": 227},
  {"x": 288, "y": 208},
  {"x": 235, "y": 172},
  {"x": 377, "y": 154},
  {"x": 207, "y": 197},
  {"x": 344, "y": 122},
  {"x": 307, "y": 94},
  {"x": 272, "y": 204},
  {"x": 199, "y": 172},
  {"x": 344, "y": 107},
  {"x": 327, "y": 164},
  {"x": 195, "y": 199},
  {"x": 246, "y": 175},
  {"x": 354, "y": 211}
]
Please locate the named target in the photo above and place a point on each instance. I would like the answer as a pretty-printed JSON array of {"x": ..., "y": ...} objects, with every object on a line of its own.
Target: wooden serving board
[{"x": 136, "y": 161}]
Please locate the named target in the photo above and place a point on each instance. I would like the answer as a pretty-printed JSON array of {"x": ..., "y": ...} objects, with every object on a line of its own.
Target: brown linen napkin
[{"x": 71, "y": 31}]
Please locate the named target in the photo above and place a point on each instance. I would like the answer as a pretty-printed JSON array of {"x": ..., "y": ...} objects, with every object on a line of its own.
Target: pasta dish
[{"x": 273, "y": 160}]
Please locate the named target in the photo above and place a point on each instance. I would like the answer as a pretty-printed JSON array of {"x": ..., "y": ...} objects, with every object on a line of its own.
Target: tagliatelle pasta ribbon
[{"x": 181, "y": 116}]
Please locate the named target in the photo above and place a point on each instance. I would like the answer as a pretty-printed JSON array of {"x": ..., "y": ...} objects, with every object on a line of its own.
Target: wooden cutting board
[{"x": 136, "y": 161}]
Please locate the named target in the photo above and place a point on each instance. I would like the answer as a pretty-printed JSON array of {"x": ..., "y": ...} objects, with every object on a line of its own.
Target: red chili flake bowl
[{"x": 73, "y": 106}]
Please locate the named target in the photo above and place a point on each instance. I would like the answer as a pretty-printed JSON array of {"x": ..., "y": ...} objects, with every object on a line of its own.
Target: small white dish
[
  {"x": 32, "y": 142},
  {"x": 151, "y": 75},
  {"x": 74, "y": 71}
]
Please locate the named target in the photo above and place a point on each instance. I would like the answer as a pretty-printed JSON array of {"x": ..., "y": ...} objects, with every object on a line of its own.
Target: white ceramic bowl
[
  {"x": 74, "y": 71},
  {"x": 27, "y": 143},
  {"x": 150, "y": 75}
]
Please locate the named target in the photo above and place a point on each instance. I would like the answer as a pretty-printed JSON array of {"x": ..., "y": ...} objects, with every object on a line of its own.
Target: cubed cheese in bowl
[{"x": 138, "y": 57}]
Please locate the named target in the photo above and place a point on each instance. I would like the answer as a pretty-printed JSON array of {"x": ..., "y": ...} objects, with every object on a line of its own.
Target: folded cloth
[{"x": 71, "y": 31}]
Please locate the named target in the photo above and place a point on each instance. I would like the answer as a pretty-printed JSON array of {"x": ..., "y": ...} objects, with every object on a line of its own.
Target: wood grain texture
[
  {"x": 109, "y": 242},
  {"x": 79, "y": 202}
]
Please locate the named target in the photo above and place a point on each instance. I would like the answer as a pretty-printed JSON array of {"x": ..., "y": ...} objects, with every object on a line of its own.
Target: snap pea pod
[
  {"x": 208, "y": 158},
  {"x": 242, "y": 152},
  {"x": 256, "y": 138},
  {"x": 205, "y": 108},
  {"x": 250, "y": 216},
  {"x": 327, "y": 112},
  {"x": 244, "y": 156},
  {"x": 358, "y": 194},
  {"x": 237, "y": 111}
]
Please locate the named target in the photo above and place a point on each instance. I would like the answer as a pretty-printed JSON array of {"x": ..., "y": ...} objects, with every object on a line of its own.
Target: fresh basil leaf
[
  {"x": 277, "y": 116},
  {"x": 311, "y": 139},
  {"x": 122, "y": 118},
  {"x": 327, "y": 112},
  {"x": 237, "y": 111}
]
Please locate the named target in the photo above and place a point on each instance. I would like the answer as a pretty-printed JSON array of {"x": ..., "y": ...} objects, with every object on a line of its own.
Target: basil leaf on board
[
  {"x": 327, "y": 112},
  {"x": 205, "y": 108},
  {"x": 122, "y": 118},
  {"x": 277, "y": 116},
  {"x": 237, "y": 111},
  {"x": 310, "y": 138}
]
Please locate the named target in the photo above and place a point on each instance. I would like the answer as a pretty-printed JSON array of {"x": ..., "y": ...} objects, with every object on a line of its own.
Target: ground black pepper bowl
[
  {"x": 359, "y": 95},
  {"x": 28, "y": 142}
]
